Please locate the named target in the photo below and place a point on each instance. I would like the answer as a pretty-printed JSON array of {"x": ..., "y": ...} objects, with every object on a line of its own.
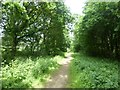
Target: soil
[{"x": 60, "y": 77}]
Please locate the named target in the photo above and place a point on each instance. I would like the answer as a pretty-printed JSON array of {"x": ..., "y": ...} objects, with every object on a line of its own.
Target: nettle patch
[
  {"x": 25, "y": 72},
  {"x": 88, "y": 72}
]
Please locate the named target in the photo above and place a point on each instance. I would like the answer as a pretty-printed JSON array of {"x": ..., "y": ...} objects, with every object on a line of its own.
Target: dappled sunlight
[
  {"x": 67, "y": 59},
  {"x": 92, "y": 72},
  {"x": 63, "y": 76},
  {"x": 49, "y": 44},
  {"x": 59, "y": 79},
  {"x": 37, "y": 84}
]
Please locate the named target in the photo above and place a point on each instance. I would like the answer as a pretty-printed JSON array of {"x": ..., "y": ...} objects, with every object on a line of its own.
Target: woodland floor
[{"x": 60, "y": 77}]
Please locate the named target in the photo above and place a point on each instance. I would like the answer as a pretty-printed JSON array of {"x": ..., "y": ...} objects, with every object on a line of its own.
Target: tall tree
[
  {"x": 35, "y": 27},
  {"x": 100, "y": 29},
  {"x": 14, "y": 21}
]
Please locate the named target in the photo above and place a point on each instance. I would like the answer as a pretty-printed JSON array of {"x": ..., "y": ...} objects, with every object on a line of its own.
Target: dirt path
[{"x": 59, "y": 79}]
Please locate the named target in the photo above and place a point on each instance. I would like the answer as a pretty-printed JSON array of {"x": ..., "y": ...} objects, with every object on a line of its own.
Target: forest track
[{"x": 60, "y": 77}]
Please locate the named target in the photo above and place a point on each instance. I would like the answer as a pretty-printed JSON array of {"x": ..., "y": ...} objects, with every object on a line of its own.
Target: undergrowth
[
  {"x": 91, "y": 72},
  {"x": 27, "y": 72}
]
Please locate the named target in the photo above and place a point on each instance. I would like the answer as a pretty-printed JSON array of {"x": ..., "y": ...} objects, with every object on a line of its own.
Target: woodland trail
[{"x": 60, "y": 77}]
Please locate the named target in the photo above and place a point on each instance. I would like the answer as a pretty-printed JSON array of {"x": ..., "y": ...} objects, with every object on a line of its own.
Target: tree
[
  {"x": 100, "y": 29},
  {"x": 14, "y": 21},
  {"x": 34, "y": 27}
]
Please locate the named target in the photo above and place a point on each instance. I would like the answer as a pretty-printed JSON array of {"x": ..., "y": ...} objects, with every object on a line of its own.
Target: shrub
[
  {"x": 89, "y": 72},
  {"x": 22, "y": 72}
]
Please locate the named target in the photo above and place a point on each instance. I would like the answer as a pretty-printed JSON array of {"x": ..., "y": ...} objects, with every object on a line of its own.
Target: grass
[
  {"x": 28, "y": 72},
  {"x": 91, "y": 72}
]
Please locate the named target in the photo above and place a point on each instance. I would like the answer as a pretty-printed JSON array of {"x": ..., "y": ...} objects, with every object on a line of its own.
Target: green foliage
[
  {"x": 98, "y": 32},
  {"x": 78, "y": 40},
  {"x": 13, "y": 18},
  {"x": 89, "y": 72},
  {"x": 23, "y": 72},
  {"x": 33, "y": 27},
  {"x": 43, "y": 67}
]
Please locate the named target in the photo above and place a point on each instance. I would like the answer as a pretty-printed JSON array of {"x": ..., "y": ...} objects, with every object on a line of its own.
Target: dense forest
[
  {"x": 98, "y": 31},
  {"x": 36, "y": 38},
  {"x": 34, "y": 27}
]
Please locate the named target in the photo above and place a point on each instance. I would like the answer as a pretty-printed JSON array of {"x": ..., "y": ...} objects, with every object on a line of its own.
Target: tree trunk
[
  {"x": 116, "y": 47},
  {"x": 14, "y": 46}
]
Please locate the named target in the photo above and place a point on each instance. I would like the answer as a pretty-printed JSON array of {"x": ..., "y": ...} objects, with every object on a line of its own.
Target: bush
[
  {"x": 89, "y": 72},
  {"x": 22, "y": 72},
  {"x": 43, "y": 67}
]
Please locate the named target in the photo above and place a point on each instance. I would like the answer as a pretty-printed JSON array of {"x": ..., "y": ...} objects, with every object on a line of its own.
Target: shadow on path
[{"x": 60, "y": 77}]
